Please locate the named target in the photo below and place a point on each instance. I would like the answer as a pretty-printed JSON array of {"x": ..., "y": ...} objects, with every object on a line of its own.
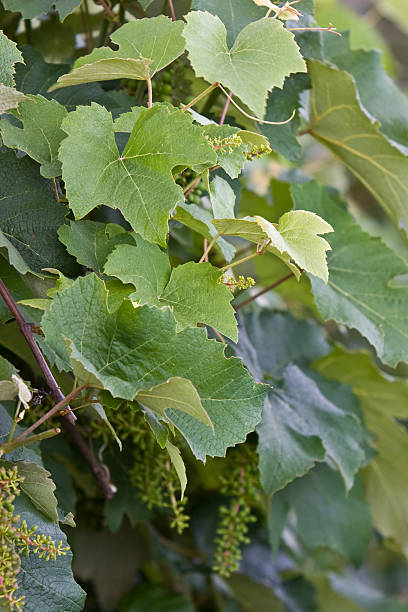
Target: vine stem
[
  {"x": 269, "y": 288},
  {"x": 209, "y": 247},
  {"x": 107, "y": 10},
  {"x": 9, "y": 447},
  {"x": 225, "y": 109},
  {"x": 173, "y": 14},
  {"x": 27, "y": 332},
  {"x": 149, "y": 93},
  {"x": 50, "y": 413}
]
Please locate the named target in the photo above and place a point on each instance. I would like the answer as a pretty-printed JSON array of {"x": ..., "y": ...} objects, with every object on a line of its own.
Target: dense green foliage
[{"x": 223, "y": 300}]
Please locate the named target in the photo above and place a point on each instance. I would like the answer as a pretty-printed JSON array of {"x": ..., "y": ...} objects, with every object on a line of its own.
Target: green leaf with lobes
[
  {"x": 139, "y": 181},
  {"x": 359, "y": 293},
  {"x": 9, "y": 55},
  {"x": 263, "y": 54},
  {"x": 40, "y": 135},
  {"x": 134, "y": 349},
  {"x": 192, "y": 291},
  {"x": 295, "y": 238},
  {"x": 234, "y": 16},
  {"x": 145, "y": 47},
  {"x": 340, "y": 123}
]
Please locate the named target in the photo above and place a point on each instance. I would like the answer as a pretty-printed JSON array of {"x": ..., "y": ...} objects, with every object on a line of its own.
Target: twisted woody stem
[{"x": 99, "y": 470}]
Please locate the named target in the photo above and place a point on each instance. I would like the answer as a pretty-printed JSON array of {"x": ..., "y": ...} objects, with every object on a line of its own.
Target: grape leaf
[
  {"x": 139, "y": 181},
  {"x": 91, "y": 242},
  {"x": 145, "y": 266},
  {"x": 9, "y": 98},
  {"x": 44, "y": 581},
  {"x": 174, "y": 394},
  {"x": 134, "y": 349},
  {"x": 145, "y": 47},
  {"x": 222, "y": 198},
  {"x": 296, "y": 238},
  {"x": 359, "y": 293},
  {"x": 346, "y": 130},
  {"x": 9, "y": 55},
  {"x": 30, "y": 233},
  {"x": 294, "y": 341},
  {"x": 195, "y": 295},
  {"x": 302, "y": 425},
  {"x": 40, "y": 135},
  {"x": 35, "y": 8},
  {"x": 191, "y": 291},
  {"x": 263, "y": 54},
  {"x": 382, "y": 399},
  {"x": 327, "y": 517}
]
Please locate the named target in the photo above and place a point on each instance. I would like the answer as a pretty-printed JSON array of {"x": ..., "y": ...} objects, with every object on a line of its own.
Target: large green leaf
[
  {"x": 381, "y": 399},
  {"x": 134, "y": 349},
  {"x": 295, "y": 238},
  {"x": 359, "y": 293},
  {"x": 340, "y": 123},
  {"x": 263, "y": 54},
  {"x": 327, "y": 517},
  {"x": 9, "y": 55},
  {"x": 30, "y": 233},
  {"x": 192, "y": 291},
  {"x": 139, "y": 181},
  {"x": 145, "y": 47},
  {"x": 91, "y": 242},
  {"x": 35, "y": 8},
  {"x": 302, "y": 424},
  {"x": 40, "y": 135}
]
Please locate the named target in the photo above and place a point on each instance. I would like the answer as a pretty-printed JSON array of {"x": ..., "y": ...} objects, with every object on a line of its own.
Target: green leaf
[
  {"x": 294, "y": 341},
  {"x": 382, "y": 398},
  {"x": 263, "y": 54},
  {"x": 234, "y": 16},
  {"x": 200, "y": 220},
  {"x": 91, "y": 242},
  {"x": 302, "y": 425},
  {"x": 296, "y": 238},
  {"x": 35, "y": 8},
  {"x": 174, "y": 394},
  {"x": 40, "y": 135},
  {"x": 9, "y": 98},
  {"x": 144, "y": 265},
  {"x": 327, "y": 517},
  {"x": 145, "y": 47},
  {"x": 331, "y": 601},
  {"x": 30, "y": 234},
  {"x": 46, "y": 584},
  {"x": 179, "y": 466},
  {"x": 358, "y": 293},
  {"x": 6, "y": 369},
  {"x": 344, "y": 128},
  {"x": 394, "y": 10},
  {"x": 135, "y": 349},
  {"x": 39, "y": 488},
  {"x": 138, "y": 182},
  {"x": 9, "y": 55},
  {"x": 253, "y": 595},
  {"x": 154, "y": 598},
  {"x": 195, "y": 295}
]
